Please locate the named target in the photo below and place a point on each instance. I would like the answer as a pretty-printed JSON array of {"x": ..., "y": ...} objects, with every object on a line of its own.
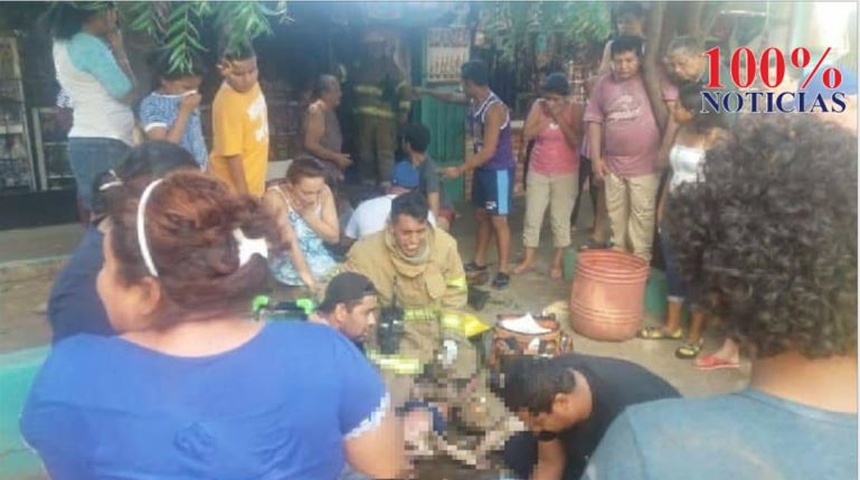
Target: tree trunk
[
  {"x": 665, "y": 20},
  {"x": 651, "y": 65},
  {"x": 693, "y": 23}
]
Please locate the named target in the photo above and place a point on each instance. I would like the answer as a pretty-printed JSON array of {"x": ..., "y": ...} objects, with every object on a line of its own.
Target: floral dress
[{"x": 320, "y": 261}]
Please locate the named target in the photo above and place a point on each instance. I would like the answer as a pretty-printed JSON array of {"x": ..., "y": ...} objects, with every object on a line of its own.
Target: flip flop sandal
[
  {"x": 713, "y": 362},
  {"x": 657, "y": 333},
  {"x": 474, "y": 267},
  {"x": 689, "y": 350}
]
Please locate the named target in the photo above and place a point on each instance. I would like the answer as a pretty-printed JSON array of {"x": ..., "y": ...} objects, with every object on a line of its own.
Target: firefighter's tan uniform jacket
[
  {"x": 432, "y": 291},
  {"x": 369, "y": 78}
]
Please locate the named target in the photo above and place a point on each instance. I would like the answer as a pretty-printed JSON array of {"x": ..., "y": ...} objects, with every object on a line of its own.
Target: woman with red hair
[{"x": 190, "y": 388}]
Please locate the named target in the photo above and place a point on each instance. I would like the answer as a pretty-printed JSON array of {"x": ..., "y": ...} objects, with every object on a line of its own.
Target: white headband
[
  {"x": 141, "y": 230},
  {"x": 247, "y": 246}
]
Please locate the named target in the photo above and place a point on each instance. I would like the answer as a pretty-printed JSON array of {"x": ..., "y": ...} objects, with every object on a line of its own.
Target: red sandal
[{"x": 713, "y": 362}]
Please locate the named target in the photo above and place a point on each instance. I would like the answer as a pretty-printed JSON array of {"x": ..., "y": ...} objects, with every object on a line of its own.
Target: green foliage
[
  {"x": 175, "y": 26},
  {"x": 511, "y": 25}
]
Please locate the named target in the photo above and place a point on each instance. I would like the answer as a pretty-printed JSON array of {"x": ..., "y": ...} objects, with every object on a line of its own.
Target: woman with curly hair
[
  {"x": 770, "y": 240},
  {"x": 697, "y": 132}
]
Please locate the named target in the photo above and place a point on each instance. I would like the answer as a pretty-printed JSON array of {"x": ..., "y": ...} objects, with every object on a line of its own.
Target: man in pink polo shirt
[{"x": 626, "y": 142}]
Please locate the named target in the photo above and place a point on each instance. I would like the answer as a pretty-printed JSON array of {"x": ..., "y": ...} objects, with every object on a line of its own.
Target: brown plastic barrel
[{"x": 607, "y": 296}]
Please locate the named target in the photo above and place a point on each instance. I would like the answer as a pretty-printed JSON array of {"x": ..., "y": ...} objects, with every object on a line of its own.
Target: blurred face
[
  {"x": 685, "y": 67},
  {"x": 542, "y": 422},
  {"x": 625, "y": 65},
  {"x": 332, "y": 94},
  {"x": 307, "y": 191},
  {"x": 356, "y": 323},
  {"x": 410, "y": 234},
  {"x": 682, "y": 114},
  {"x": 123, "y": 303},
  {"x": 469, "y": 88},
  {"x": 241, "y": 75},
  {"x": 103, "y": 23},
  {"x": 554, "y": 102},
  {"x": 181, "y": 85},
  {"x": 629, "y": 24}
]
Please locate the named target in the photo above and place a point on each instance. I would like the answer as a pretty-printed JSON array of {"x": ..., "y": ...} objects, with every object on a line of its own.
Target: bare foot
[
  {"x": 555, "y": 273},
  {"x": 522, "y": 268}
]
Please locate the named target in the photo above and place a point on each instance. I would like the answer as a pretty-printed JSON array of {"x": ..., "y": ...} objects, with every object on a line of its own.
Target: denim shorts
[{"x": 89, "y": 158}]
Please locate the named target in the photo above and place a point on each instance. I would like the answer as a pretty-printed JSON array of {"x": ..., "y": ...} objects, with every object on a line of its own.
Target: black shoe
[
  {"x": 502, "y": 280},
  {"x": 473, "y": 267},
  {"x": 477, "y": 298}
]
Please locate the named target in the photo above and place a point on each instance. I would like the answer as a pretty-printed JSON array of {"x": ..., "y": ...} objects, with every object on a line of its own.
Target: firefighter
[
  {"x": 417, "y": 270},
  {"x": 381, "y": 104}
]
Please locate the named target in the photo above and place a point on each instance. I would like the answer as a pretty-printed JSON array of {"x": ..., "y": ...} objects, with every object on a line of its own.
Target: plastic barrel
[
  {"x": 569, "y": 263},
  {"x": 607, "y": 296}
]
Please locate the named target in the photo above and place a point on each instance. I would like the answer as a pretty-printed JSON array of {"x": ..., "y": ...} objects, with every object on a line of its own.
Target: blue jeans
[
  {"x": 675, "y": 286},
  {"x": 89, "y": 158}
]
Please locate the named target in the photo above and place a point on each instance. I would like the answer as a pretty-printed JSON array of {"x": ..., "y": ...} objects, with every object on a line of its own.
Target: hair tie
[
  {"x": 116, "y": 182},
  {"x": 249, "y": 246},
  {"x": 141, "y": 230}
]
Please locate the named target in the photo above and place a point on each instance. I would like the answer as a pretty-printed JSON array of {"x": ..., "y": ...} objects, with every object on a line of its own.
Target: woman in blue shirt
[{"x": 191, "y": 388}]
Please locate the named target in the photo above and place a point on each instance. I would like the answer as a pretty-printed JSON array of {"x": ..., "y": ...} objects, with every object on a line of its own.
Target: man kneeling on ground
[
  {"x": 568, "y": 402},
  {"x": 349, "y": 307}
]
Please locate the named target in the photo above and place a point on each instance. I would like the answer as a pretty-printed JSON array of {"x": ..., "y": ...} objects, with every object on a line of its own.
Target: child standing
[
  {"x": 240, "y": 124},
  {"x": 171, "y": 112}
]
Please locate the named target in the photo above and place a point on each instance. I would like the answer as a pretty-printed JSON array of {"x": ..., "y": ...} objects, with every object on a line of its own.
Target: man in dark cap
[{"x": 349, "y": 306}]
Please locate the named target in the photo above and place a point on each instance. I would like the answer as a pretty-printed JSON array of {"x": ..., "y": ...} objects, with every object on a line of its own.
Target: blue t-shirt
[
  {"x": 74, "y": 305},
  {"x": 158, "y": 110},
  {"x": 278, "y": 407},
  {"x": 745, "y": 435}
]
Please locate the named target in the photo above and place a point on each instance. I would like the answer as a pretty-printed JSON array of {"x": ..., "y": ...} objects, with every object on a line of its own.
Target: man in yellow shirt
[{"x": 240, "y": 124}]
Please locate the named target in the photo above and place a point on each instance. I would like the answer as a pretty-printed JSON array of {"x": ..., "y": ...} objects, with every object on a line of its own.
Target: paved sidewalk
[{"x": 38, "y": 243}]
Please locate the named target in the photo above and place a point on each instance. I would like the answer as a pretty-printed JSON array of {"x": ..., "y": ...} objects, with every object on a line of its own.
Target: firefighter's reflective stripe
[
  {"x": 399, "y": 364},
  {"x": 420, "y": 314},
  {"x": 459, "y": 283},
  {"x": 375, "y": 112},
  {"x": 368, "y": 90},
  {"x": 463, "y": 323},
  {"x": 405, "y": 105}
]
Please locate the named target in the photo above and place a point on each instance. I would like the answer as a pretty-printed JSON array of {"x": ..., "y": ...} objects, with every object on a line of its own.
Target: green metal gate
[{"x": 447, "y": 144}]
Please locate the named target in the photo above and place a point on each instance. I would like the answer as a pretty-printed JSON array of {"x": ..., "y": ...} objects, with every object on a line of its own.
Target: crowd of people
[{"x": 157, "y": 370}]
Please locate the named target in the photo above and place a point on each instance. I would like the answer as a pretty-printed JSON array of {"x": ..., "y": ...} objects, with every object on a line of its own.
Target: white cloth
[
  {"x": 370, "y": 217},
  {"x": 525, "y": 324},
  {"x": 96, "y": 113},
  {"x": 687, "y": 164}
]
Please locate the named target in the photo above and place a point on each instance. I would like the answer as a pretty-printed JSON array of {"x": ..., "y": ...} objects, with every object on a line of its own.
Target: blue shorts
[{"x": 493, "y": 190}]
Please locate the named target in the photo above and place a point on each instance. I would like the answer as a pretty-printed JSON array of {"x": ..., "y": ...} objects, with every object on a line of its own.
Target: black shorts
[{"x": 493, "y": 190}]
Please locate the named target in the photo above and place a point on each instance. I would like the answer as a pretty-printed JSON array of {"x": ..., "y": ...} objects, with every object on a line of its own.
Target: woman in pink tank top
[{"x": 555, "y": 125}]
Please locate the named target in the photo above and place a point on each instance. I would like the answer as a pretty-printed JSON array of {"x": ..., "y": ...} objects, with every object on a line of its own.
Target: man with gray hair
[{"x": 323, "y": 139}]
